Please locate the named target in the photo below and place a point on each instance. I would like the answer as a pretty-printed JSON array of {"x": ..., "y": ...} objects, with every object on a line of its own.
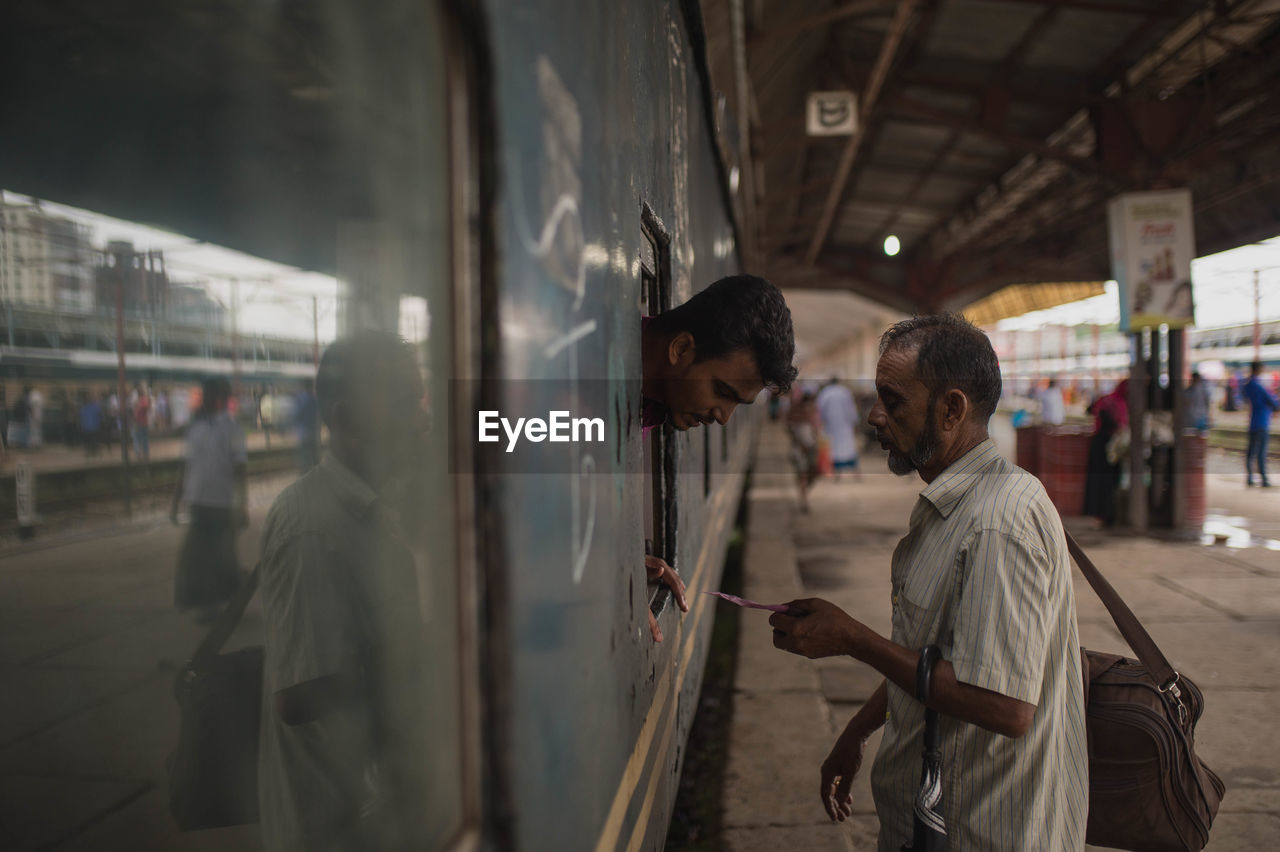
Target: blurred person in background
[
  {"x": 162, "y": 410},
  {"x": 1102, "y": 473},
  {"x": 212, "y": 482},
  {"x": 113, "y": 423},
  {"x": 1198, "y": 403},
  {"x": 839, "y": 416},
  {"x": 1053, "y": 408},
  {"x": 306, "y": 425},
  {"x": 1261, "y": 403},
  {"x": 345, "y": 697},
  {"x": 142, "y": 423},
  {"x": 90, "y": 422},
  {"x": 802, "y": 425},
  {"x": 35, "y": 409},
  {"x": 266, "y": 414}
]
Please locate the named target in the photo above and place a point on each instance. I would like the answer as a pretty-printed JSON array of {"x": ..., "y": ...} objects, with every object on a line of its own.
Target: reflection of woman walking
[
  {"x": 1111, "y": 414},
  {"x": 212, "y": 482}
]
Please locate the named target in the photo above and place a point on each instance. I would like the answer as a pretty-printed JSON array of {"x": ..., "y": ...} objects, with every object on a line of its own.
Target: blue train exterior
[{"x": 600, "y": 112}]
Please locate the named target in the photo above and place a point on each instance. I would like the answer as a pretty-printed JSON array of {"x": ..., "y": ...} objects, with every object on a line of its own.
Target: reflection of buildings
[
  {"x": 44, "y": 259},
  {"x": 141, "y": 275},
  {"x": 190, "y": 304},
  {"x": 58, "y": 292}
]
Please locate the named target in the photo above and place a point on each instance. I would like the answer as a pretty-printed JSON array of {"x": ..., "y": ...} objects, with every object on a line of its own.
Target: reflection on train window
[{"x": 225, "y": 267}]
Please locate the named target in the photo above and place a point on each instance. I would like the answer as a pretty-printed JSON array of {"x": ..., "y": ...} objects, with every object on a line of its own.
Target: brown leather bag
[{"x": 1148, "y": 792}]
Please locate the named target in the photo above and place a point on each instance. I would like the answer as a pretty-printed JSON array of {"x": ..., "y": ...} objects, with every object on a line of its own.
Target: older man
[{"x": 983, "y": 573}]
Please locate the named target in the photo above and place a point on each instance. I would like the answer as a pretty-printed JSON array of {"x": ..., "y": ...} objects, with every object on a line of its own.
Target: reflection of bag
[
  {"x": 213, "y": 771},
  {"x": 1147, "y": 788},
  {"x": 1118, "y": 445}
]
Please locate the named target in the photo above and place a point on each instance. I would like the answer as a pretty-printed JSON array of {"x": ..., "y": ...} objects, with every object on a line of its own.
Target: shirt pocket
[
  {"x": 921, "y": 608},
  {"x": 914, "y": 624}
]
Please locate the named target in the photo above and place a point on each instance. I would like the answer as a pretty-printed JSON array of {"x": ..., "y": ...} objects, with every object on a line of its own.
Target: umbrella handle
[
  {"x": 929, "y": 657},
  {"x": 929, "y": 829}
]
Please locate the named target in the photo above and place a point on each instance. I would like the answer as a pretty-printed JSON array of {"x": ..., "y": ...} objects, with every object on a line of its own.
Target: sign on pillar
[
  {"x": 1152, "y": 245},
  {"x": 832, "y": 114}
]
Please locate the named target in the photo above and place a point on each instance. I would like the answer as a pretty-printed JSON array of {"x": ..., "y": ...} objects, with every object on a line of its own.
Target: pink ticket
[{"x": 734, "y": 599}]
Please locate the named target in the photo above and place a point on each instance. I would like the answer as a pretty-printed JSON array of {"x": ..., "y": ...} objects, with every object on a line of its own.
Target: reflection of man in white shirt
[
  {"x": 344, "y": 761},
  {"x": 839, "y": 415}
]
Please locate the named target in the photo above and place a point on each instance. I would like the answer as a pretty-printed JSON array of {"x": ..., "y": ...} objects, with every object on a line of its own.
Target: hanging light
[{"x": 892, "y": 245}]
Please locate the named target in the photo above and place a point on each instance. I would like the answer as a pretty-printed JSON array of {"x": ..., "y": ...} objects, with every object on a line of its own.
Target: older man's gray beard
[{"x": 922, "y": 453}]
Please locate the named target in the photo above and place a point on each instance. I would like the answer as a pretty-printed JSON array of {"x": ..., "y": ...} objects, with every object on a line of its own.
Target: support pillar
[
  {"x": 1177, "y": 383},
  {"x": 1139, "y": 393}
]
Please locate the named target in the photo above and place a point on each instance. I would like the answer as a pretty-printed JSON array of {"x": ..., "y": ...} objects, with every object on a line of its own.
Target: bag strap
[
  {"x": 1126, "y": 622},
  {"x": 227, "y": 621}
]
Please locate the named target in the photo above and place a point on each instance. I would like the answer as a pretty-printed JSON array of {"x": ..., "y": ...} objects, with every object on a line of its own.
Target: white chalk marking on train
[
  {"x": 558, "y": 345},
  {"x": 584, "y": 546}
]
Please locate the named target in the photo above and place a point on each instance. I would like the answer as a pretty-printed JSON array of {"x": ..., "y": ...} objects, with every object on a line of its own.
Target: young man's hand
[{"x": 657, "y": 570}]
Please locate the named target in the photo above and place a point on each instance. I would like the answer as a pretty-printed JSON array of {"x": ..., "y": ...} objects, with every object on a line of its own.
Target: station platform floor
[
  {"x": 1214, "y": 609},
  {"x": 56, "y": 457}
]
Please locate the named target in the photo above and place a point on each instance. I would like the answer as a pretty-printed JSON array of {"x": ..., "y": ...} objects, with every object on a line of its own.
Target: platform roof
[{"x": 991, "y": 134}]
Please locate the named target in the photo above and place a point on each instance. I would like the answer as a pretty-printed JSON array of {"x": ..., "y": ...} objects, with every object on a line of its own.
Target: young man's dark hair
[
  {"x": 952, "y": 353},
  {"x": 739, "y": 312}
]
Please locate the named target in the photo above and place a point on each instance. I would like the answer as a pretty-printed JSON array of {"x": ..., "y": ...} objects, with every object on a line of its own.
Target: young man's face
[
  {"x": 701, "y": 392},
  {"x": 902, "y": 416}
]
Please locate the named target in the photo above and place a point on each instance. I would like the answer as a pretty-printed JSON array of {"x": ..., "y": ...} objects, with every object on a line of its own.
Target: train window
[
  {"x": 227, "y": 254},
  {"x": 659, "y": 448}
]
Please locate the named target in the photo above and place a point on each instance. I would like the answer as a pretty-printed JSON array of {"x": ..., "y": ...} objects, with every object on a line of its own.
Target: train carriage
[{"x": 512, "y": 187}]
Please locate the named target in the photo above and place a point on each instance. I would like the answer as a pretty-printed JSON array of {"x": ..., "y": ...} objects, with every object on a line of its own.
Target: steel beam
[
  {"x": 909, "y": 107},
  {"x": 847, "y": 10}
]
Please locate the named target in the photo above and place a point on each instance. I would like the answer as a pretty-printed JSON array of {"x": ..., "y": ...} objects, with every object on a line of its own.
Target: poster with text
[{"x": 1152, "y": 246}]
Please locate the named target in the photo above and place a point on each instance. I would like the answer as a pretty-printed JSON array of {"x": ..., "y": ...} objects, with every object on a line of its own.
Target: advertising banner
[{"x": 1152, "y": 246}]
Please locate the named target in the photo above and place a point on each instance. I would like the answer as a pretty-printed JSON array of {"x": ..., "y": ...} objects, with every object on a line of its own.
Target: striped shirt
[
  {"x": 340, "y": 595},
  {"x": 983, "y": 572}
]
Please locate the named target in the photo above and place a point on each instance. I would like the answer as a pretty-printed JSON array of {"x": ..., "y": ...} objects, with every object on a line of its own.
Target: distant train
[{"x": 1094, "y": 361}]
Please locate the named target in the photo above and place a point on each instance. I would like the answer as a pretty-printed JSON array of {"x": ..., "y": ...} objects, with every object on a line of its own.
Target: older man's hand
[{"x": 814, "y": 628}]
